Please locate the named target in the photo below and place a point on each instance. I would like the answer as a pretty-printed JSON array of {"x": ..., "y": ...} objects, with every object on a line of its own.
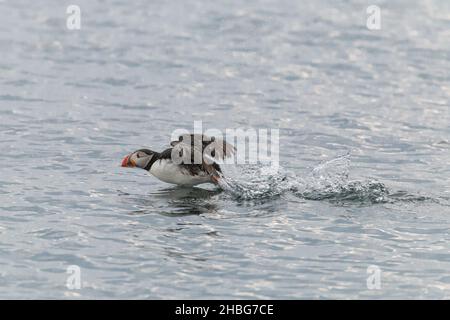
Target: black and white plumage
[{"x": 190, "y": 161}]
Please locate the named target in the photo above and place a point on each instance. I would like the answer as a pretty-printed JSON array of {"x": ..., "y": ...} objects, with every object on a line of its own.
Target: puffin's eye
[{"x": 137, "y": 155}]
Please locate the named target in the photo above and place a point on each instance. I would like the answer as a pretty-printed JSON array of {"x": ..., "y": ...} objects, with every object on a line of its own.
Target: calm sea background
[{"x": 73, "y": 103}]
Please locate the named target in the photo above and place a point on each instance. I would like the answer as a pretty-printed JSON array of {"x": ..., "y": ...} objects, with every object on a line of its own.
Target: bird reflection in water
[{"x": 177, "y": 201}]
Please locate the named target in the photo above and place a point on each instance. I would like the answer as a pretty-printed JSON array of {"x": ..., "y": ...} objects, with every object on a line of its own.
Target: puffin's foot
[{"x": 215, "y": 179}]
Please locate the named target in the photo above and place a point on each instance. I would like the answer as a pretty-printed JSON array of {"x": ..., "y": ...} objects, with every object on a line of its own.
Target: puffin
[{"x": 191, "y": 160}]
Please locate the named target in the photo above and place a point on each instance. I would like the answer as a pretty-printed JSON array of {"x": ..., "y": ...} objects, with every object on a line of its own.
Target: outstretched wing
[
  {"x": 200, "y": 150},
  {"x": 212, "y": 147}
]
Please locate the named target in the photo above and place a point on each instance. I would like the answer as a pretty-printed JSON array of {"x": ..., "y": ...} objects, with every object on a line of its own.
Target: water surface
[{"x": 73, "y": 103}]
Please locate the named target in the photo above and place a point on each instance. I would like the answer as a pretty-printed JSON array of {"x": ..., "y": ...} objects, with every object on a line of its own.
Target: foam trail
[
  {"x": 328, "y": 181},
  {"x": 254, "y": 182}
]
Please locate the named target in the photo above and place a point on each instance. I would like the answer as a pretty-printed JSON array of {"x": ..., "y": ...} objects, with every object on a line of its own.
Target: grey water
[{"x": 364, "y": 175}]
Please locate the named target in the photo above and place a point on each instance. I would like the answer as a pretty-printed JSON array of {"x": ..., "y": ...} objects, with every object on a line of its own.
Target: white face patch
[{"x": 141, "y": 159}]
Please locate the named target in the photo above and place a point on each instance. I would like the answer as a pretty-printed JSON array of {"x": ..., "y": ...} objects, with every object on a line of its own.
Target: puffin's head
[{"x": 138, "y": 159}]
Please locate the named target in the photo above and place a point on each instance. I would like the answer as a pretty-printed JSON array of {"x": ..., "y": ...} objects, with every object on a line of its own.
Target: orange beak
[{"x": 127, "y": 162}]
